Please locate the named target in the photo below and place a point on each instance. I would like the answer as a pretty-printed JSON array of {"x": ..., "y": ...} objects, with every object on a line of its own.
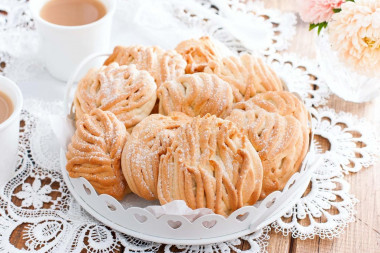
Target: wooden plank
[
  {"x": 362, "y": 235},
  {"x": 279, "y": 243}
]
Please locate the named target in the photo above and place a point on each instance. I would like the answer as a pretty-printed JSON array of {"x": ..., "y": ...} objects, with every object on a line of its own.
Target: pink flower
[{"x": 317, "y": 11}]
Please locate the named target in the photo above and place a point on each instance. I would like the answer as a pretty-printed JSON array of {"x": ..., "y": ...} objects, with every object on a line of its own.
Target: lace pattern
[
  {"x": 19, "y": 41},
  {"x": 328, "y": 202},
  {"x": 344, "y": 130},
  {"x": 302, "y": 76}
]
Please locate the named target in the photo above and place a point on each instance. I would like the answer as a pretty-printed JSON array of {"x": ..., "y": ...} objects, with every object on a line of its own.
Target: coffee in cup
[
  {"x": 6, "y": 107},
  {"x": 73, "y": 12},
  {"x": 66, "y": 41},
  {"x": 10, "y": 112}
]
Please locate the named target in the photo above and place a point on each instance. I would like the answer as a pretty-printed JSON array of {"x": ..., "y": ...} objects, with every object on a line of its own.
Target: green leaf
[
  {"x": 312, "y": 26},
  {"x": 337, "y": 10},
  {"x": 319, "y": 29},
  {"x": 319, "y": 25}
]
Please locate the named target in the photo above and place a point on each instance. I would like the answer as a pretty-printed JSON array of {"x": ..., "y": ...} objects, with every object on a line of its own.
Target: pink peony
[{"x": 317, "y": 11}]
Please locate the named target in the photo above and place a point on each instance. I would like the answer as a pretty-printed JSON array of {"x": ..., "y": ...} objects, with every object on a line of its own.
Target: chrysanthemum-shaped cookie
[
  {"x": 196, "y": 94},
  {"x": 278, "y": 141},
  {"x": 162, "y": 65},
  {"x": 198, "y": 53},
  {"x": 124, "y": 90},
  {"x": 247, "y": 75},
  {"x": 95, "y": 152},
  {"x": 141, "y": 155},
  {"x": 284, "y": 103},
  {"x": 210, "y": 164}
]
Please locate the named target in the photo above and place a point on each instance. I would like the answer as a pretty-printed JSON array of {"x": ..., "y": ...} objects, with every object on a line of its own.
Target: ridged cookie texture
[
  {"x": 248, "y": 75},
  {"x": 196, "y": 94},
  {"x": 124, "y": 90},
  {"x": 163, "y": 65},
  {"x": 95, "y": 152},
  {"x": 277, "y": 139},
  {"x": 210, "y": 164},
  {"x": 198, "y": 53},
  {"x": 142, "y": 152},
  {"x": 285, "y": 103}
]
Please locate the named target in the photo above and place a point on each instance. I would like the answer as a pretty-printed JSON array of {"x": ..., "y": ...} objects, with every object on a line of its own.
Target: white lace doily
[{"x": 49, "y": 219}]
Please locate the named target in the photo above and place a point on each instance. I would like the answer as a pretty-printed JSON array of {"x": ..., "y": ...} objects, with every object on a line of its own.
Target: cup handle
[{"x": 69, "y": 85}]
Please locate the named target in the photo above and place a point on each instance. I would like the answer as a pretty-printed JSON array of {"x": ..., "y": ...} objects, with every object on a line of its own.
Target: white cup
[
  {"x": 9, "y": 131},
  {"x": 64, "y": 47}
]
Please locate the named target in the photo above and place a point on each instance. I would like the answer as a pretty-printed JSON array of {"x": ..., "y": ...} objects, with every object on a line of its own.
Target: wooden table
[{"x": 360, "y": 236}]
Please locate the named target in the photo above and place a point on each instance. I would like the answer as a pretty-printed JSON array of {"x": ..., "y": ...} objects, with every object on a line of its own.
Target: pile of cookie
[{"x": 197, "y": 123}]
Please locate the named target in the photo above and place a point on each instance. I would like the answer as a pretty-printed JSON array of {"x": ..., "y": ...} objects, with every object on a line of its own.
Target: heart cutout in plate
[
  {"x": 242, "y": 217},
  {"x": 209, "y": 224},
  {"x": 290, "y": 186},
  {"x": 270, "y": 203},
  {"x": 111, "y": 207},
  {"x": 140, "y": 218},
  {"x": 174, "y": 224},
  {"x": 88, "y": 191}
]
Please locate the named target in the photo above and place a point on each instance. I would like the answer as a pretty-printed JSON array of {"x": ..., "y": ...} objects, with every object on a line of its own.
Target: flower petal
[
  {"x": 46, "y": 189},
  {"x": 44, "y": 198},
  {"x": 36, "y": 184},
  {"x": 27, "y": 202},
  {"x": 27, "y": 187},
  {"x": 23, "y": 195},
  {"x": 37, "y": 203}
]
